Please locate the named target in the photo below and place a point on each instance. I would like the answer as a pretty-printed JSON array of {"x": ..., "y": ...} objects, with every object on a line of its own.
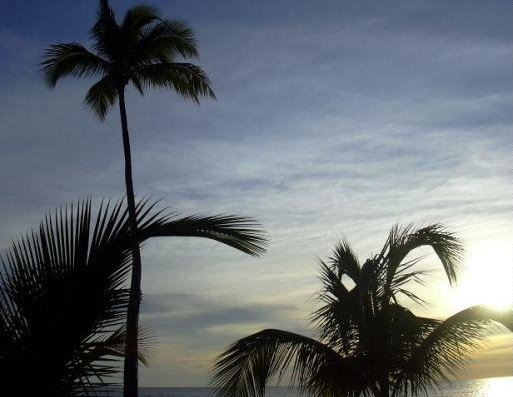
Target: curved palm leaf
[
  {"x": 446, "y": 349},
  {"x": 240, "y": 233},
  {"x": 102, "y": 96},
  {"x": 162, "y": 41},
  {"x": 63, "y": 295},
  {"x": 187, "y": 79},
  {"x": 345, "y": 261},
  {"x": 71, "y": 59},
  {"x": 246, "y": 367},
  {"x": 402, "y": 241}
]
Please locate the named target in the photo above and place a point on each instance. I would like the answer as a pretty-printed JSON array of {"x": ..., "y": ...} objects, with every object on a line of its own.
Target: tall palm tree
[
  {"x": 141, "y": 50},
  {"x": 367, "y": 342},
  {"x": 63, "y": 295}
]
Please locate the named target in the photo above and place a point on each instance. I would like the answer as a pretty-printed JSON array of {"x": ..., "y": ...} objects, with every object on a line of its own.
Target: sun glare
[
  {"x": 487, "y": 277},
  {"x": 498, "y": 387}
]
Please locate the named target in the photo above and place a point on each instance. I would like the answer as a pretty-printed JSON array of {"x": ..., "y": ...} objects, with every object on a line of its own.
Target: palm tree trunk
[{"x": 130, "y": 375}]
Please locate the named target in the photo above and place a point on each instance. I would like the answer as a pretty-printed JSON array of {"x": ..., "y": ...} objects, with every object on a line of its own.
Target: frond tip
[{"x": 70, "y": 59}]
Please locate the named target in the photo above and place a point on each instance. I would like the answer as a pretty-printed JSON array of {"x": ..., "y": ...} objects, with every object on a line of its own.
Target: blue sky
[{"x": 333, "y": 118}]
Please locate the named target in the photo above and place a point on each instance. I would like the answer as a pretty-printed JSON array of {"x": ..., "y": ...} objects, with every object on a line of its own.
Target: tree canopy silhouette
[
  {"x": 63, "y": 293},
  {"x": 367, "y": 343},
  {"x": 141, "y": 50}
]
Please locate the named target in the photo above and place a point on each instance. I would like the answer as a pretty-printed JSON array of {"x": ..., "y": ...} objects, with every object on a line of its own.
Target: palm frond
[
  {"x": 61, "y": 298},
  {"x": 446, "y": 349},
  {"x": 399, "y": 331},
  {"x": 163, "y": 41},
  {"x": 102, "y": 96},
  {"x": 71, "y": 59},
  {"x": 345, "y": 261},
  {"x": 336, "y": 322},
  {"x": 106, "y": 34},
  {"x": 136, "y": 18},
  {"x": 115, "y": 345},
  {"x": 186, "y": 79},
  {"x": 405, "y": 275},
  {"x": 245, "y": 369},
  {"x": 389, "y": 266},
  {"x": 240, "y": 233},
  {"x": 446, "y": 245}
]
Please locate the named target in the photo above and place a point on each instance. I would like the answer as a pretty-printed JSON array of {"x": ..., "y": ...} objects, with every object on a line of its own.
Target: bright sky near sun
[{"x": 334, "y": 118}]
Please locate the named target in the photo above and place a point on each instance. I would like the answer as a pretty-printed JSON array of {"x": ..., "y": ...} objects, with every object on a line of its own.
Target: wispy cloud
[{"x": 340, "y": 118}]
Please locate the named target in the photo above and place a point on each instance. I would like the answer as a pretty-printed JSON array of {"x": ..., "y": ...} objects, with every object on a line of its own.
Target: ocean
[{"x": 491, "y": 387}]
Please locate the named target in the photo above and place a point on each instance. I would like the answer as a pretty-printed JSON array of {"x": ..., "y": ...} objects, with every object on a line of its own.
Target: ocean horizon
[{"x": 485, "y": 387}]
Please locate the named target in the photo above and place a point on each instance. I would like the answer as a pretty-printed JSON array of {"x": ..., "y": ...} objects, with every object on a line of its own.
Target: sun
[{"x": 487, "y": 277}]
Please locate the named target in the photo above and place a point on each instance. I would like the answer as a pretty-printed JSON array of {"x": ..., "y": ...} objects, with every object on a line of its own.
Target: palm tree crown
[
  {"x": 368, "y": 343},
  {"x": 142, "y": 50}
]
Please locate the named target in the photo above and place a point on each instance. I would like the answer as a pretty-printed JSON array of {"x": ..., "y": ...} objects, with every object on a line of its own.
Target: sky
[{"x": 333, "y": 119}]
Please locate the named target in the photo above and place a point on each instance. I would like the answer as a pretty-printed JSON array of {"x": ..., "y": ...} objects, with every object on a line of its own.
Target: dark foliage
[
  {"x": 63, "y": 295},
  {"x": 143, "y": 50},
  {"x": 368, "y": 343}
]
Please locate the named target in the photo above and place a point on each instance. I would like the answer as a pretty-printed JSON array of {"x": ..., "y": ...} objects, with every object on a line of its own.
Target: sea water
[{"x": 491, "y": 387}]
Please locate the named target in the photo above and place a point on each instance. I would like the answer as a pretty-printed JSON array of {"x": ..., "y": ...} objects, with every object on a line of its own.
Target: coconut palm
[
  {"x": 63, "y": 293},
  {"x": 141, "y": 50},
  {"x": 368, "y": 343}
]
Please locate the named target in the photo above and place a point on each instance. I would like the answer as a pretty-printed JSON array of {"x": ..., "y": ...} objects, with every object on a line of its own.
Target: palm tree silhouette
[
  {"x": 142, "y": 50},
  {"x": 367, "y": 342},
  {"x": 63, "y": 295}
]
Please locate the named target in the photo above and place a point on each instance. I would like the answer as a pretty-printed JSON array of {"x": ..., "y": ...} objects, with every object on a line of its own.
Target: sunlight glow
[
  {"x": 498, "y": 387},
  {"x": 487, "y": 276}
]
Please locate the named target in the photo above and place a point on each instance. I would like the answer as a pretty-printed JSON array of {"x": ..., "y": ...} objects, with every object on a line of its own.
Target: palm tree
[
  {"x": 63, "y": 295},
  {"x": 142, "y": 50},
  {"x": 367, "y": 342}
]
